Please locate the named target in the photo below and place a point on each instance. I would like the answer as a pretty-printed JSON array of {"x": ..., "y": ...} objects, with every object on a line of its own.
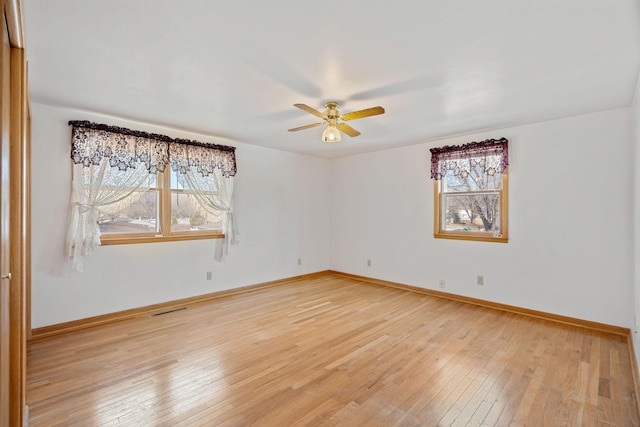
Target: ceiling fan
[{"x": 334, "y": 118}]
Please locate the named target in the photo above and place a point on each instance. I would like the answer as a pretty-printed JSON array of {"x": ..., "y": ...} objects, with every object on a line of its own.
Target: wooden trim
[
  {"x": 76, "y": 325},
  {"x": 18, "y": 234},
  {"x": 437, "y": 208},
  {"x": 602, "y": 327},
  {"x": 6, "y": 326},
  {"x": 27, "y": 201},
  {"x": 121, "y": 240},
  {"x": 475, "y": 237},
  {"x": 504, "y": 205},
  {"x": 13, "y": 14},
  {"x": 634, "y": 367},
  {"x": 165, "y": 201}
]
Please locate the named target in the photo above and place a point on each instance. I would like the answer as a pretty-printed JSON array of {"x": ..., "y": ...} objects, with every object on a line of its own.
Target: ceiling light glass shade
[{"x": 331, "y": 134}]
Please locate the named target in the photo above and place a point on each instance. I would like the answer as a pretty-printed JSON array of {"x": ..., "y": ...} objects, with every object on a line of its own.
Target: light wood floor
[{"x": 332, "y": 351}]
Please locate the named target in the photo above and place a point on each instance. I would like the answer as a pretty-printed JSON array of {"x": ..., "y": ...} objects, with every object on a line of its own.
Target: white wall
[
  {"x": 635, "y": 125},
  {"x": 281, "y": 205},
  {"x": 570, "y": 220},
  {"x": 571, "y": 224}
]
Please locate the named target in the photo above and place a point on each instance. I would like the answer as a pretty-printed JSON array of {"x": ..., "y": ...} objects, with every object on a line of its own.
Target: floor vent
[{"x": 168, "y": 311}]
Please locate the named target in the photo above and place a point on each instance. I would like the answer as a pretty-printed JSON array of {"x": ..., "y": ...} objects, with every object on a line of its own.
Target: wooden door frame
[
  {"x": 18, "y": 239},
  {"x": 19, "y": 227},
  {"x": 5, "y": 229}
]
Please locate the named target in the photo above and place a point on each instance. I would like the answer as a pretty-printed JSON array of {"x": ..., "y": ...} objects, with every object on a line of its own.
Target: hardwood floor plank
[{"x": 328, "y": 351}]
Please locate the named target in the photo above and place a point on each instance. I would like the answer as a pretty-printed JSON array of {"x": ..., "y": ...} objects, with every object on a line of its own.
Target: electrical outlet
[
  {"x": 209, "y": 275},
  {"x": 480, "y": 280},
  {"x": 299, "y": 261},
  {"x": 442, "y": 284},
  {"x": 368, "y": 263}
]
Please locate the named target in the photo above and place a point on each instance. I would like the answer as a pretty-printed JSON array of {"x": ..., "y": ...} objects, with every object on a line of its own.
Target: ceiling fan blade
[
  {"x": 310, "y": 110},
  {"x": 373, "y": 111},
  {"x": 312, "y": 125},
  {"x": 347, "y": 129}
]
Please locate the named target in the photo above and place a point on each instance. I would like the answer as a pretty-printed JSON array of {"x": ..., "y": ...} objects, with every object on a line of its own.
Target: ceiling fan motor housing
[{"x": 332, "y": 110}]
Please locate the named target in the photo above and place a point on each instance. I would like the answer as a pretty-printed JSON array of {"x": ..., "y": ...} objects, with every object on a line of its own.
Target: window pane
[
  {"x": 137, "y": 213},
  {"x": 188, "y": 215},
  {"x": 176, "y": 184},
  {"x": 477, "y": 213}
]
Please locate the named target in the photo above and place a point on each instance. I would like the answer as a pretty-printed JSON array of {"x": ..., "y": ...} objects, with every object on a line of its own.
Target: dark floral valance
[
  {"x": 491, "y": 155},
  {"x": 205, "y": 160},
  {"x": 90, "y": 146},
  {"x": 126, "y": 148}
]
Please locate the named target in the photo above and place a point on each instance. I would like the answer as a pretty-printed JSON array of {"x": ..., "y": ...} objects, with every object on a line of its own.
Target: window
[
  {"x": 187, "y": 213},
  {"x": 137, "y": 214},
  {"x": 163, "y": 209},
  {"x": 471, "y": 191},
  {"x": 134, "y": 187}
]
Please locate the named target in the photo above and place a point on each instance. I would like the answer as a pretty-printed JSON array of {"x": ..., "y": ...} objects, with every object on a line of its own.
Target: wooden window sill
[
  {"x": 471, "y": 236},
  {"x": 125, "y": 240}
]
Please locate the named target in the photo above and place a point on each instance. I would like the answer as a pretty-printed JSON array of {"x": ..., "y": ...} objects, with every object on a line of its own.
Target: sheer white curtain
[
  {"x": 93, "y": 187},
  {"x": 214, "y": 193},
  {"x": 207, "y": 170},
  {"x": 109, "y": 165}
]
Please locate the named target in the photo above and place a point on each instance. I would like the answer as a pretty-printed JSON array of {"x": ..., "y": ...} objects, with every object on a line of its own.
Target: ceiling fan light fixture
[
  {"x": 335, "y": 120},
  {"x": 331, "y": 134}
]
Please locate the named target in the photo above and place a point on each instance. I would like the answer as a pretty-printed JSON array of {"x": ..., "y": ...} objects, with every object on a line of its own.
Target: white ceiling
[{"x": 232, "y": 70}]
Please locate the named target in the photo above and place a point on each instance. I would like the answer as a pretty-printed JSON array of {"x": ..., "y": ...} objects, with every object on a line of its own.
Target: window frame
[
  {"x": 439, "y": 216},
  {"x": 164, "y": 233}
]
